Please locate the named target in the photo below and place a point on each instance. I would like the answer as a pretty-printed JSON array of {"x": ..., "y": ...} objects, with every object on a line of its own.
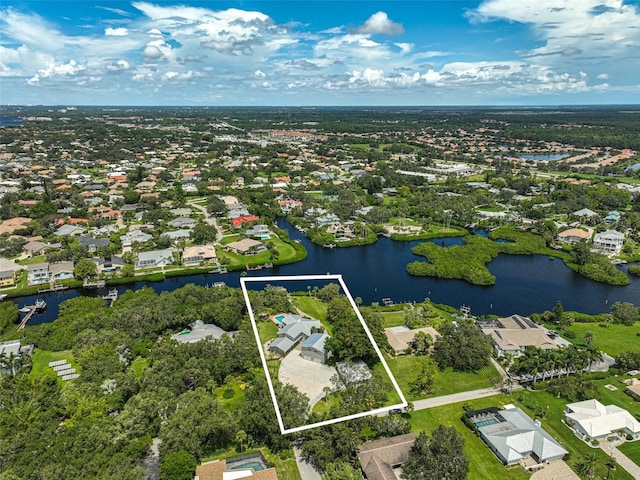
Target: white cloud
[
  {"x": 117, "y": 65},
  {"x": 116, "y": 32},
  {"x": 379, "y": 22}
]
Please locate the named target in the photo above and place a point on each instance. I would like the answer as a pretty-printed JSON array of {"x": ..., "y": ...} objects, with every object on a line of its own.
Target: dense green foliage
[
  {"x": 468, "y": 261},
  {"x": 438, "y": 456},
  {"x": 634, "y": 270},
  {"x": 461, "y": 346}
]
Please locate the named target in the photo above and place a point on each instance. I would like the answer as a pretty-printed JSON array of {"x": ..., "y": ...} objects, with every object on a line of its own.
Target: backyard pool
[{"x": 280, "y": 318}]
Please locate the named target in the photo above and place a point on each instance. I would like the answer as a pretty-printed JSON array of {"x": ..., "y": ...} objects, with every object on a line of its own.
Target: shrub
[{"x": 570, "y": 334}]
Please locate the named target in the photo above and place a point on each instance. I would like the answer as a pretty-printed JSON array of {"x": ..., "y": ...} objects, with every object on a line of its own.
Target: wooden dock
[
  {"x": 31, "y": 310},
  {"x": 96, "y": 284}
]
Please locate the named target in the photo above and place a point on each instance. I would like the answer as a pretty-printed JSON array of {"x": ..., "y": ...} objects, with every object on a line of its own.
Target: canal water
[{"x": 524, "y": 284}]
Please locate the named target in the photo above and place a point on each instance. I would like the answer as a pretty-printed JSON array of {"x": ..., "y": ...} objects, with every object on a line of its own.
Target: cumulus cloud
[
  {"x": 117, "y": 65},
  {"x": 116, "y": 32},
  {"x": 379, "y": 23}
]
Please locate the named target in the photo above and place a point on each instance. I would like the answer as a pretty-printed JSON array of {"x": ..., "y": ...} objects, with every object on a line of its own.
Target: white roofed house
[
  {"x": 609, "y": 242},
  {"x": 135, "y": 236},
  {"x": 512, "y": 335},
  {"x": 592, "y": 420},
  {"x": 38, "y": 273}
]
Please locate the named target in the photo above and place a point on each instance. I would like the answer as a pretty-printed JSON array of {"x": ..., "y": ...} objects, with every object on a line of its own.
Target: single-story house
[
  {"x": 574, "y": 235},
  {"x": 197, "y": 254},
  {"x": 69, "y": 231},
  {"x": 401, "y": 337},
  {"x": 380, "y": 458},
  {"x": 585, "y": 212},
  {"x": 175, "y": 235},
  {"x": 155, "y": 258},
  {"x": 182, "y": 222},
  {"x": 238, "y": 221},
  {"x": 135, "y": 236},
  {"x": 593, "y": 420},
  {"x": 34, "y": 248},
  {"x": 634, "y": 389},
  {"x": 218, "y": 470},
  {"x": 609, "y": 242},
  {"x": 246, "y": 246},
  {"x": 313, "y": 348},
  {"x": 513, "y": 436},
  {"x": 199, "y": 331},
  {"x": 512, "y": 335}
]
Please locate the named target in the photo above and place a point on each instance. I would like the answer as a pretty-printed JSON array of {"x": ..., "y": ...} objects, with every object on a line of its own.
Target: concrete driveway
[{"x": 307, "y": 376}]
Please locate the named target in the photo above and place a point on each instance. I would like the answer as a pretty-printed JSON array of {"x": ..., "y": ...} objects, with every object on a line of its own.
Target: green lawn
[
  {"x": 286, "y": 252},
  {"x": 41, "y": 359},
  {"x": 406, "y": 368},
  {"x": 483, "y": 464},
  {"x": 393, "y": 319},
  {"x": 32, "y": 260},
  {"x": 617, "y": 397},
  {"x": 631, "y": 450},
  {"x": 267, "y": 330},
  {"x": 613, "y": 339},
  {"x": 138, "y": 365},
  {"x": 231, "y": 394},
  {"x": 313, "y": 307}
]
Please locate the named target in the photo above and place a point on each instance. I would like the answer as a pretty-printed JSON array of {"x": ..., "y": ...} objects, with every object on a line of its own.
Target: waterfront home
[
  {"x": 260, "y": 231},
  {"x": 295, "y": 330},
  {"x": 7, "y": 278},
  {"x": 60, "y": 271},
  {"x": 197, "y": 254},
  {"x": 400, "y": 338},
  {"x": 591, "y": 420},
  {"x": 574, "y": 235},
  {"x": 512, "y": 335},
  {"x": 514, "y": 437},
  {"x": 313, "y": 348},
  {"x": 246, "y": 246},
  {"x": 381, "y": 459},
  {"x": 609, "y": 242},
  {"x": 38, "y": 273},
  {"x": 155, "y": 258},
  {"x": 9, "y": 268}
]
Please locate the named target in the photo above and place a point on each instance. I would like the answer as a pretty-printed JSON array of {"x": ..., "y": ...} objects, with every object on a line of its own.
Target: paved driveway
[{"x": 307, "y": 376}]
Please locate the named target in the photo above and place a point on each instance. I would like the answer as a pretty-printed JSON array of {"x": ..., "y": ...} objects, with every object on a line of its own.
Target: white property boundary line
[{"x": 284, "y": 430}]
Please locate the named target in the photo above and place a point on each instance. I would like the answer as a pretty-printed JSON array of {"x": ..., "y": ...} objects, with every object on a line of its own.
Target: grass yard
[
  {"x": 393, "y": 319},
  {"x": 138, "y": 365},
  {"x": 631, "y": 450},
  {"x": 267, "y": 330},
  {"x": 41, "y": 359},
  {"x": 231, "y": 394},
  {"x": 483, "y": 464},
  {"x": 406, "y": 368},
  {"x": 613, "y": 339},
  {"x": 311, "y": 306},
  {"x": 33, "y": 260}
]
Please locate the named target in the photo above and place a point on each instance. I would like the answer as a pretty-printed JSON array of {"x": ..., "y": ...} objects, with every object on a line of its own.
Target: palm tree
[
  {"x": 589, "y": 337},
  {"x": 587, "y": 465}
]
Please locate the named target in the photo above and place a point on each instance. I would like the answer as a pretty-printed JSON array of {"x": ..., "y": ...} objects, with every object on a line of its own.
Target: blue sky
[{"x": 306, "y": 52}]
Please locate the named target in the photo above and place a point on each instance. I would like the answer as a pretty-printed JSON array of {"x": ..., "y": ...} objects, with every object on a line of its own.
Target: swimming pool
[
  {"x": 257, "y": 466},
  {"x": 484, "y": 423},
  {"x": 280, "y": 318}
]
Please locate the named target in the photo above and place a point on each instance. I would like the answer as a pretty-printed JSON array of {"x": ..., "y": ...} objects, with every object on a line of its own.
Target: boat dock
[
  {"x": 112, "y": 296},
  {"x": 96, "y": 284},
  {"x": 30, "y": 311},
  {"x": 258, "y": 267}
]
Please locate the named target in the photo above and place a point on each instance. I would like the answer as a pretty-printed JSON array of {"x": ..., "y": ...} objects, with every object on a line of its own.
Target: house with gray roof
[
  {"x": 513, "y": 436},
  {"x": 313, "y": 348},
  {"x": 61, "y": 270},
  {"x": 295, "y": 330},
  {"x": 93, "y": 243},
  {"x": 69, "y": 231},
  {"x": 610, "y": 242},
  {"x": 135, "y": 236},
  {"x": 182, "y": 222},
  {"x": 176, "y": 235},
  {"x": 155, "y": 258}
]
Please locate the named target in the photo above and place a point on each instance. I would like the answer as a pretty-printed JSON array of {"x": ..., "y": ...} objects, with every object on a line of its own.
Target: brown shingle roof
[{"x": 379, "y": 456}]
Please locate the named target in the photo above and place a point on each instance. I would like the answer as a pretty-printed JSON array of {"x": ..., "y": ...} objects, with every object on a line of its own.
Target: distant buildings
[{"x": 591, "y": 420}]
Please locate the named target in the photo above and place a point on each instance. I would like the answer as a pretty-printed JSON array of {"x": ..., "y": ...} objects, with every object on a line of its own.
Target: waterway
[
  {"x": 524, "y": 284},
  {"x": 544, "y": 157}
]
